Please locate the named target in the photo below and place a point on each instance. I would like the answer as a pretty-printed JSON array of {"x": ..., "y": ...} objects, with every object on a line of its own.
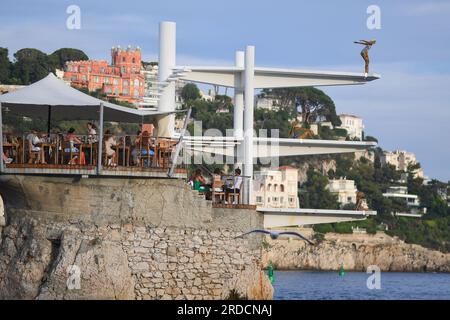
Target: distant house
[
  {"x": 353, "y": 124},
  {"x": 411, "y": 201},
  {"x": 122, "y": 79},
  {"x": 267, "y": 103},
  {"x": 276, "y": 188},
  {"x": 344, "y": 189},
  {"x": 401, "y": 160}
]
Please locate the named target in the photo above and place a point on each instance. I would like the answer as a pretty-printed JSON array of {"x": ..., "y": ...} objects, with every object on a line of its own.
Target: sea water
[{"x": 309, "y": 285}]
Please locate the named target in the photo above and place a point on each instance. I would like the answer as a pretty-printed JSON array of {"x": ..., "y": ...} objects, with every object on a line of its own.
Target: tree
[
  {"x": 31, "y": 65},
  {"x": 314, "y": 103},
  {"x": 315, "y": 194},
  {"x": 5, "y": 66},
  {"x": 190, "y": 93},
  {"x": 61, "y": 56}
]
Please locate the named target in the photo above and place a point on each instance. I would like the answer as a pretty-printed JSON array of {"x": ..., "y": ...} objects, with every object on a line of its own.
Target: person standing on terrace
[{"x": 92, "y": 133}]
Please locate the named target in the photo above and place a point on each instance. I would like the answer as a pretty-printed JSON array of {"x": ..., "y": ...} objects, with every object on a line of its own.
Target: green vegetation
[
  {"x": 31, "y": 65},
  {"x": 432, "y": 230}
]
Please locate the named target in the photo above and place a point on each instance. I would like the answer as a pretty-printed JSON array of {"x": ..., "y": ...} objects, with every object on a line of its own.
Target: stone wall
[{"x": 129, "y": 238}]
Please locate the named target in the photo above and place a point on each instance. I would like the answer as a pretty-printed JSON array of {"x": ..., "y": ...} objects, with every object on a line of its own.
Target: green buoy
[
  {"x": 341, "y": 271},
  {"x": 270, "y": 273}
]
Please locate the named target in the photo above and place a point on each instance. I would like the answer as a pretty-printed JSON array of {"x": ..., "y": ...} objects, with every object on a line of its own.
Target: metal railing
[{"x": 118, "y": 150}]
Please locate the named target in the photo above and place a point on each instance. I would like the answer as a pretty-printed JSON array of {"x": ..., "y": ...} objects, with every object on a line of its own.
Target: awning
[{"x": 67, "y": 103}]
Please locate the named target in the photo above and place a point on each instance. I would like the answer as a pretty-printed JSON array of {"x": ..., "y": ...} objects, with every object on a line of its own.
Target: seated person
[
  {"x": 110, "y": 148},
  {"x": 236, "y": 187},
  {"x": 146, "y": 146},
  {"x": 197, "y": 181},
  {"x": 218, "y": 182},
  {"x": 72, "y": 139},
  {"x": 33, "y": 142},
  {"x": 6, "y": 159},
  {"x": 136, "y": 146}
]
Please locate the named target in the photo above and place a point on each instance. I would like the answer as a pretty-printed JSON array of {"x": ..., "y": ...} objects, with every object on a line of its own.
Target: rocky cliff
[
  {"x": 115, "y": 238},
  {"x": 356, "y": 252}
]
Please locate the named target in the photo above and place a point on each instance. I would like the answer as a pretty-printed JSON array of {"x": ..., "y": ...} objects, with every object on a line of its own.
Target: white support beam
[
  {"x": 167, "y": 61},
  {"x": 238, "y": 116},
  {"x": 249, "y": 97}
]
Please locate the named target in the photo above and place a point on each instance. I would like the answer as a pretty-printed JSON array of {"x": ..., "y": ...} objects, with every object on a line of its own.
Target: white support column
[
  {"x": 167, "y": 61},
  {"x": 1, "y": 139},
  {"x": 238, "y": 117},
  {"x": 249, "y": 91},
  {"x": 100, "y": 139}
]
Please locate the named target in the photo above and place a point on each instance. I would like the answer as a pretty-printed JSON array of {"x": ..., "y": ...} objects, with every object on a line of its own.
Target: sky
[{"x": 407, "y": 109}]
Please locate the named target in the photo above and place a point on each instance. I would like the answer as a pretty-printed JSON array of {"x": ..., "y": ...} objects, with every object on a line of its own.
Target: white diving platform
[
  {"x": 273, "y": 147},
  {"x": 283, "y": 217},
  {"x": 229, "y": 76}
]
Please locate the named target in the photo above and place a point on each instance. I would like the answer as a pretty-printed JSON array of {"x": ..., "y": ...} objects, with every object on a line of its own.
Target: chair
[
  {"x": 145, "y": 153},
  {"x": 232, "y": 196},
  {"x": 164, "y": 153},
  {"x": 217, "y": 190},
  {"x": 33, "y": 156},
  {"x": 71, "y": 156}
]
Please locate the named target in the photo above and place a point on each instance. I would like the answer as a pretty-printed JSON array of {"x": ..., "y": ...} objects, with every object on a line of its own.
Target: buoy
[
  {"x": 341, "y": 270},
  {"x": 270, "y": 273}
]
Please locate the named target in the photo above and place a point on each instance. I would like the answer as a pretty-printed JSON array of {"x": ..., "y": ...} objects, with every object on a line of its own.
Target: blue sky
[{"x": 409, "y": 108}]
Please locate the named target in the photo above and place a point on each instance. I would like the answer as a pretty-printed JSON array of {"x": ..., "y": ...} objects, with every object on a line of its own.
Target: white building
[
  {"x": 276, "y": 188},
  {"x": 401, "y": 160},
  {"x": 353, "y": 125},
  {"x": 266, "y": 103},
  {"x": 344, "y": 189},
  {"x": 411, "y": 200}
]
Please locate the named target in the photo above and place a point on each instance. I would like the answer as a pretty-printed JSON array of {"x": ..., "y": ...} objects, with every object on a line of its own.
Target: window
[
  {"x": 136, "y": 93},
  {"x": 281, "y": 187},
  {"x": 125, "y": 92},
  {"x": 268, "y": 199},
  {"x": 106, "y": 80},
  {"x": 96, "y": 79},
  {"x": 282, "y": 199},
  {"x": 275, "y": 188},
  {"x": 102, "y": 70},
  {"x": 108, "y": 90},
  {"x": 89, "y": 69},
  {"x": 123, "y": 59},
  {"x": 269, "y": 187},
  {"x": 275, "y": 199},
  {"x": 133, "y": 60},
  {"x": 259, "y": 199},
  {"x": 116, "y": 82},
  {"x": 125, "y": 82},
  {"x": 84, "y": 78},
  {"x": 123, "y": 70},
  {"x": 291, "y": 200},
  {"x": 73, "y": 78},
  {"x": 136, "y": 82}
]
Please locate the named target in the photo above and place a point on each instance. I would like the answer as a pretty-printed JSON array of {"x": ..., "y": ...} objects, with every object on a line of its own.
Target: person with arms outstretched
[{"x": 365, "y": 53}]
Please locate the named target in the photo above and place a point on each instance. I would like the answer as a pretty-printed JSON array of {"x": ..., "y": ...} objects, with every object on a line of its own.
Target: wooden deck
[{"x": 56, "y": 169}]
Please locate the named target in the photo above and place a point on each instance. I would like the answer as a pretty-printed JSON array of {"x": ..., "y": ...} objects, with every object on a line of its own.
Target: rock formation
[
  {"x": 356, "y": 252},
  {"x": 124, "y": 239}
]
